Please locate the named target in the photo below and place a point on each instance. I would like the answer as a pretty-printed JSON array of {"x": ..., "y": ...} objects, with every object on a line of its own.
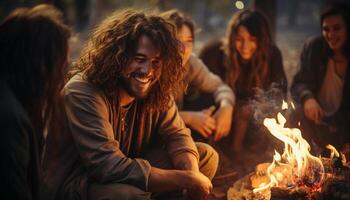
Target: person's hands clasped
[
  {"x": 203, "y": 122},
  {"x": 313, "y": 110},
  {"x": 223, "y": 118}
]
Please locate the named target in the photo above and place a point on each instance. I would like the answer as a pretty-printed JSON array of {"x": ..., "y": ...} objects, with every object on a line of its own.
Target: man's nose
[{"x": 147, "y": 68}]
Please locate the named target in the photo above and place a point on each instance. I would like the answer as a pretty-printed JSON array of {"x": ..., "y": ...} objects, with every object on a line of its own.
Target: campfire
[{"x": 295, "y": 173}]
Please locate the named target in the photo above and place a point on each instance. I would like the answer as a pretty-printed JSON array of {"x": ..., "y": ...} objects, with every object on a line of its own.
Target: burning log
[
  {"x": 336, "y": 185},
  {"x": 295, "y": 174}
]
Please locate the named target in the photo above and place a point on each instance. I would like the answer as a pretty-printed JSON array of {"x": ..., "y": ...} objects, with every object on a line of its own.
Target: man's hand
[
  {"x": 197, "y": 185},
  {"x": 312, "y": 110},
  {"x": 200, "y": 186},
  {"x": 223, "y": 118}
]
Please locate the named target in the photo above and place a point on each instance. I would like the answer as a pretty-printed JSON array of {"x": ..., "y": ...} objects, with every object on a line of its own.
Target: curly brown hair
[
  {"x": 257, "y": 25},
  {"x": 113, "y": 45}
]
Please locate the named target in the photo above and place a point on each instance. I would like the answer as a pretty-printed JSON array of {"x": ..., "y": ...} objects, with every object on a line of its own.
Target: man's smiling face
[{"x": 143, "y": 70}]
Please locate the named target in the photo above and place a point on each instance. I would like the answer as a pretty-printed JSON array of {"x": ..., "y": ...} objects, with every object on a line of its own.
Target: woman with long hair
[
  {"x": 321, "y": 86},
  {"x": 248, "y": 61},
  {"x": 33, "y": 56}
]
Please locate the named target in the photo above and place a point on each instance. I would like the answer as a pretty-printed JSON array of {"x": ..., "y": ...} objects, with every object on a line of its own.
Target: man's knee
[
  {"x": 208, "y": 159},
  {"x": 116, "y": 191}
]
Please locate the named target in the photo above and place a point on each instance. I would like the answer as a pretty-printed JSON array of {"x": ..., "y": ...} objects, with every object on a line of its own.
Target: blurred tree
[{"x": 269, "y": 8}]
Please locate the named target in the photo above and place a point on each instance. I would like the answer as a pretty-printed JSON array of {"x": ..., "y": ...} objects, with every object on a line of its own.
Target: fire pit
[{"x": 294, "y": 174}]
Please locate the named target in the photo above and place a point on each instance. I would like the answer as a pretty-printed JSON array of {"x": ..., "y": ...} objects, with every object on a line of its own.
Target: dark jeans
[{"x": 208, "y": 163}]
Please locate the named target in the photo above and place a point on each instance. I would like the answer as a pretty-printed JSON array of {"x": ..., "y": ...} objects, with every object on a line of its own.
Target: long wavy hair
[
  {"x": 343, "y": 10},
  {"x": 257, "y": 26},
  {"x": 113, "y": 45},
  {"x": 33, "y": 56}
]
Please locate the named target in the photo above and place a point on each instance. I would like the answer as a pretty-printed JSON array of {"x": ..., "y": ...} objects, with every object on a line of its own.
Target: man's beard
[{"x": 126, "y": 80}]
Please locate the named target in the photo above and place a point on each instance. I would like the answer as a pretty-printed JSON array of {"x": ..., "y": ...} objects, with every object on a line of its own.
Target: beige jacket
[{"x": 199, "y": 76}]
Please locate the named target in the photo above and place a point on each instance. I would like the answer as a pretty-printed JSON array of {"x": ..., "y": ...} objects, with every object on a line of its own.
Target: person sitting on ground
[
  {"x": 124, "y": 137},
  {"x": 247, "y": 60},
  {"x": 33, "y": 56},
  {"x": 321, "y": 87},
  {"x": 205, "y": 122}
]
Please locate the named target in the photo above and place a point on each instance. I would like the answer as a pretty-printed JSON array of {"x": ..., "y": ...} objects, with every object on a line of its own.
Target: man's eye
[
  {"x": 156, "y": 63},
  {"x": 139, "y": 60}
]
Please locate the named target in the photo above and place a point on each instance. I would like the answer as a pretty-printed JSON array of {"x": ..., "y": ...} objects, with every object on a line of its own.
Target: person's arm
[
  {"x": 201, "y": 77},
  {"x": 304, "y": 80},
  {"x": 169, "y": 180},
  {"x": 304, "y": 85},
  {"x": 224, "y": 97},
  {"x": 176, "y": 136},
  {"x": 183, "y": 153}
]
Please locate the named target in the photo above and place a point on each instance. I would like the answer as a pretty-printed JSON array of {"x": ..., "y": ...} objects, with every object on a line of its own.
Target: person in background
[
  {"x": 124, "y": 138},
  {"x": 248, "y": 61},
  {"x": 33, "y": 57},
  {"x": 321, "y": 87},
  {"x": 206, "y": 122}
]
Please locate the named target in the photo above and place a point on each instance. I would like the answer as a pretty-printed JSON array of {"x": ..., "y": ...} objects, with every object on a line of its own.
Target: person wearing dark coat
[{"x": 321, "y": 87}]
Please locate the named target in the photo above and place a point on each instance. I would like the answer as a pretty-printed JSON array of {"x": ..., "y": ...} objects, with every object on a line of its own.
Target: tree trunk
[{"x": 269, "y": 9}]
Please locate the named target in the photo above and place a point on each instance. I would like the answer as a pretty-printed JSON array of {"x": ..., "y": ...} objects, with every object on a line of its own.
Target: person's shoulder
[
  {"x": 194, "y": 60},
  {"x": 315, "y": 42},
  {"x": 78, "y": 84},
  {"x": 275, "y": 50}
]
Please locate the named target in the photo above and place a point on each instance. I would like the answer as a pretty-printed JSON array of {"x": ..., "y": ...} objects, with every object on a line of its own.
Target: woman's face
[
  {"x": 184, "y": 35},
  {"x": 334, "y": 31},
  {"x": 245, "y": 43}
]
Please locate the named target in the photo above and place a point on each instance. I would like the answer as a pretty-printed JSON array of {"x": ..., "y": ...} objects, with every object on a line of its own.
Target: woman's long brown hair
[
  {"x": 257, "y": 26},
  {"x": 33, "y": 50}
]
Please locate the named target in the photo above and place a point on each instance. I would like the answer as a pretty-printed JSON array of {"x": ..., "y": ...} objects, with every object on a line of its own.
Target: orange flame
[{"x": 296, "y": 165}]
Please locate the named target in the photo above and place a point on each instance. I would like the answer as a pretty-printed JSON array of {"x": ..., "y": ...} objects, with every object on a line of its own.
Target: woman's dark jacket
[
  {"x": 214, "y": 57},
  {"x": 308, "y": 81}
]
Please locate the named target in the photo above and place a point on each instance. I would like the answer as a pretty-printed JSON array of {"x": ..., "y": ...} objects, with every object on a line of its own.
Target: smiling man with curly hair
[{"x": 124, "y": 138}]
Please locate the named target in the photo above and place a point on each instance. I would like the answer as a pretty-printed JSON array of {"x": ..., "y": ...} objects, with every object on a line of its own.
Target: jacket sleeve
[
  {"x": 205, "y": 80},
  {"x": 88, "y": 114},
  {"x": 304, "y": 81},
  {"x": 174, "y": 134}
]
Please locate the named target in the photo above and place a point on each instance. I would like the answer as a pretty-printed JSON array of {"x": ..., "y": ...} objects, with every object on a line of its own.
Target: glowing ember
[{"x": 296, "y": 166}]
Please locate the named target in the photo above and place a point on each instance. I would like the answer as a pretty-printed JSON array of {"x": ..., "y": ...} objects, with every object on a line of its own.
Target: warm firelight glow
[{"x": 296, "y": 166}]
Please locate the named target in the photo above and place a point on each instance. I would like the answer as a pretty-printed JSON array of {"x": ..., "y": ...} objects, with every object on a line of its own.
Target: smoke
[{"x": 266, "y": 104}]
